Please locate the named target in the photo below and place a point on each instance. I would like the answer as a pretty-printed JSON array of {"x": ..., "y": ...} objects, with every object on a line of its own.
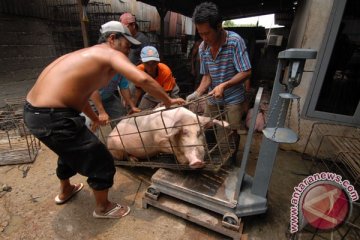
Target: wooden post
[
  {"x": 83, "y": 21},
  {"x": 162, "y": 10}
]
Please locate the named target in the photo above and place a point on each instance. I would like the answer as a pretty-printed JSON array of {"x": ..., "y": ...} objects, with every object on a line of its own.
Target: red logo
[
  {"x": 150, "y": 52},
  {"x": 325, "y": 206}
]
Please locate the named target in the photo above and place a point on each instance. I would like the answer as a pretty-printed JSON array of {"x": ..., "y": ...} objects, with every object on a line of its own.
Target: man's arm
[
  {"x": 96, "y": 98},
  {"x": 137, "y": 95},
  {"x": 240, "y": 77},
  {"x": 125, "y": 93},
  {"x": 204, "y": 84},
  {"x": 88, "y": 111}
]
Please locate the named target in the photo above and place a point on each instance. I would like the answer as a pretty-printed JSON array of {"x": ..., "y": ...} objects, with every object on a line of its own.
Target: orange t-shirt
[{"x": 164, "y": 77}]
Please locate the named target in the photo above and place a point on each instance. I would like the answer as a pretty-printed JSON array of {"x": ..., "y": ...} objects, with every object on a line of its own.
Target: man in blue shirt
[
  {"x": 110, "y": 106},
  {"x": 225, "y": 66}
]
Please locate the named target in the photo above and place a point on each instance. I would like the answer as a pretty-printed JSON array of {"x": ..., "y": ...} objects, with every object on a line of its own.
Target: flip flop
[
  {"x": 111, "y": 213},
  {"x": 76, "y": 189}
]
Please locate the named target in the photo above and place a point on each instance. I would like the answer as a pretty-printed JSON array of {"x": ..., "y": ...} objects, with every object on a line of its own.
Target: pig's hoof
[
  {"x": 133, "y": 159},
  {"x": 196, "y": 165}
]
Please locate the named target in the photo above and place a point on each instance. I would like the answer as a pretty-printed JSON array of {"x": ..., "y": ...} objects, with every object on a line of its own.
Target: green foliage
[{"x": 229, "y": 23}]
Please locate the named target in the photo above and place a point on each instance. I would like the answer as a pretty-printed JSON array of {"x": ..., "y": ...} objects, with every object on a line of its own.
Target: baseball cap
[
  {"x": 149, "y": 53},
  {"x": 115, "y": 26},
  {"x": 127, "y": 18}
]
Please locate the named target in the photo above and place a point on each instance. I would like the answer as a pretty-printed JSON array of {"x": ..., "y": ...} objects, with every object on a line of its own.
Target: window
[{"x": 336, "y": 83}]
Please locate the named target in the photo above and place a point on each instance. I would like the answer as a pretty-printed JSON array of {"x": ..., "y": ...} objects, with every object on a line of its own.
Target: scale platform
[
  {"x": 230, "y": 193},
  {"x": 210, "y": 193},
  {"x": 190, "y": 212}
]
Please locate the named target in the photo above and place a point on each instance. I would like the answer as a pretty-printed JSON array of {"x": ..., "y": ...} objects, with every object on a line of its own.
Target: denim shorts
[{"x": 63, "y": 130}]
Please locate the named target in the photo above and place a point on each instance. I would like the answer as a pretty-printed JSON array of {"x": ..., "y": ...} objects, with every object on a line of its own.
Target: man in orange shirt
[{"x": 160, "y": 72}]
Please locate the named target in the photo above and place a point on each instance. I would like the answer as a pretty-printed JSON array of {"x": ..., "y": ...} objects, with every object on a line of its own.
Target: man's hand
[
  {"x": 134, "y": 110},
  {"x": 94, "y": 125},
  {"x": 175, "y": 101},
  {"x": 103, "y": 118},
  {"x": 195, "y": 95},
  {"x": 217, "y": 92}
]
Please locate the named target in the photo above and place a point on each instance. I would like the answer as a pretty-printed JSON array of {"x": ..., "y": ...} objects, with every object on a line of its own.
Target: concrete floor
[{"x": 28, "y": 211}]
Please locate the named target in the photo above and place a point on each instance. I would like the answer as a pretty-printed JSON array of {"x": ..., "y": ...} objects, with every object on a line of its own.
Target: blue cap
[{"x": 149, "y": 53}]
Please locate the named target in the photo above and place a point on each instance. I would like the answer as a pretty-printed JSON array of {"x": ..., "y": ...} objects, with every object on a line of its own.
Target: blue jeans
[
  {"x": 113, "y": 107},
  {"x": 149, "y": 102},
  {"x": 63, "y": 130}
]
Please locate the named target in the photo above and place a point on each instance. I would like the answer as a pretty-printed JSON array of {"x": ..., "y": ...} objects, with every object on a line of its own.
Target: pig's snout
[
  {"x": 196, "y": 163},
  {"x": 196, "y": 158}
]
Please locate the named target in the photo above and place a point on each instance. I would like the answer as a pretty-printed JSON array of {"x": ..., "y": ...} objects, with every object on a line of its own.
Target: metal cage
[
  {"x": 218, "y": 145},
  {"x": 17, "y": 144}
]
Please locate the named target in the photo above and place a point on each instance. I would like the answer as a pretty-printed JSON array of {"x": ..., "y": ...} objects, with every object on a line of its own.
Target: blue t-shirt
[
  {"x": 232, "y": 58},
  {"x": 116, "y": 81}
]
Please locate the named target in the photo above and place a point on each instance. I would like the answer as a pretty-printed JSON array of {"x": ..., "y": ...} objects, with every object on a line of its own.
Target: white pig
[{"x": 179, "y": 126}]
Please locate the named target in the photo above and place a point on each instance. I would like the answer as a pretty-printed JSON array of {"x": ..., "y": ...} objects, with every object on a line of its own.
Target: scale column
[{"x": 288, "y": 76}]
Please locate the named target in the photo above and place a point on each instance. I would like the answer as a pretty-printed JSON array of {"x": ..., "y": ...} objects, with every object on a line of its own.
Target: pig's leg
[
  {"x": 114, "y": 146},
  {"x": 117, "y": 154}
]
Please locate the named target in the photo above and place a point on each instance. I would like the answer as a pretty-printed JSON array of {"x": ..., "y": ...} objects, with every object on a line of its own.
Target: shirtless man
[{"x": 61, "y": 93}]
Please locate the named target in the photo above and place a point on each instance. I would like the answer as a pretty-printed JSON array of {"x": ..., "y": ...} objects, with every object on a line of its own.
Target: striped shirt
[
  {"x": 117, "y": 81},
  {"x": 231, "y": 59}
]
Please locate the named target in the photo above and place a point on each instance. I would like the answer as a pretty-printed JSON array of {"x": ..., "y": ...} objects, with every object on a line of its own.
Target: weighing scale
[{"x": 217, "y": 200}]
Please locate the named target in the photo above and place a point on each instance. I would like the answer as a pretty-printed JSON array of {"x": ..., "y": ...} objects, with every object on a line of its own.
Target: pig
[
  {"x": 261, "y": 116},
  {"x": 178, "y": 125},
  {"x": 259, "y": 122}
]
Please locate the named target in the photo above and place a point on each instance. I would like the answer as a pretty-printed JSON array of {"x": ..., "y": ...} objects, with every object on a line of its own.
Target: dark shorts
[{"x": 63, "y": 130}]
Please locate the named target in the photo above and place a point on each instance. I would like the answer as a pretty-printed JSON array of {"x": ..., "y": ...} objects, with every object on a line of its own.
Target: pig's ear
[
  {"x": 173, "y": 131},
  {"x": 208, "y": 122},
  {"x": 165, "y": 138}
]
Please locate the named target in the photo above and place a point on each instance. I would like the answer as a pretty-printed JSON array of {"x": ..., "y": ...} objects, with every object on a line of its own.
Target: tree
[{"x": 229, "y": 23}]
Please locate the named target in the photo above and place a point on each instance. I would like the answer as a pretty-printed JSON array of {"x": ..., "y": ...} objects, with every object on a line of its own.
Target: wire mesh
[
  {"x": 334, "y": 148},
  {"x": 17, "y": 144},
  {"x": 216, "y": 140}
]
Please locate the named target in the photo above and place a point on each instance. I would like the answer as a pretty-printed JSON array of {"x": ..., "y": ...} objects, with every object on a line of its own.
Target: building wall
[
  {"x": 26, "y": 46},
  {"x": 307, "y": 32},
  {"x": 33, "y": 33}
]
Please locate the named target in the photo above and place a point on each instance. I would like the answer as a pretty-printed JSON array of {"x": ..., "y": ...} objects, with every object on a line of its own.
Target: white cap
[{"x": 115, "y": 26}]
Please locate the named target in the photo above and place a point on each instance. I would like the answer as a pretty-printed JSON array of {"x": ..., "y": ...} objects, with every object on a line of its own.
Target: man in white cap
[
  {"x": 52, "y": 113},
  {"x": 129, "y": 21},
  {"x": 160, "y": 72},
  {"x": 107, "y": 103}
]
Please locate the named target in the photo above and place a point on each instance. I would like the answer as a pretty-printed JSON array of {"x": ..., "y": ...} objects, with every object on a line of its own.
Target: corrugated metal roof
[{"x": 230, "y": 9}]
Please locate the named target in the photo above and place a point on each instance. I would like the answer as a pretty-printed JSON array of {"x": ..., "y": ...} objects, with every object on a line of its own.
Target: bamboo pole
[{"x": 84, "y": 21}]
